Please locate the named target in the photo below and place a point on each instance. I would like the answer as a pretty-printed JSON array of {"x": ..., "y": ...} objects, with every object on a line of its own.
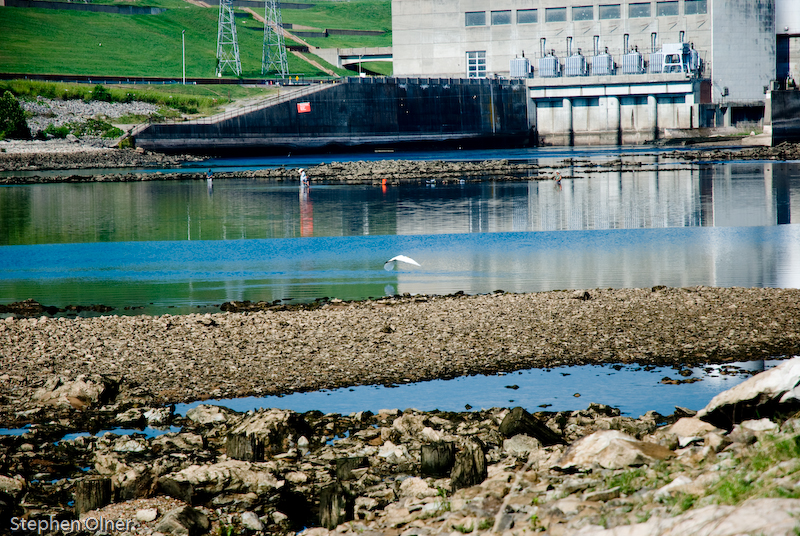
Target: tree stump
[
  {"x": 247, "y": 448},
  {"x": 519, "y": 421},
  {"x": 469, "y": 468},
  {"x": 345, "y": 466},
  {"x": 91, "y": 493},
  {"x": 437, "y": 458},
  {"x": 336, "y": 506}
]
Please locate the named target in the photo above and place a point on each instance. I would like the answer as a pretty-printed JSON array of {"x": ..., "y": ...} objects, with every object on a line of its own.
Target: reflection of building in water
[{"x": 742, "y": 194}]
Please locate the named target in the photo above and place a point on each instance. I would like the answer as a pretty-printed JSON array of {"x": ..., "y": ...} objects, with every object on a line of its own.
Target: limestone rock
[
  {"x": 184, "y": 521},
  {"x": 198, "y": 482},
  {"x": 207, "y": 414},
  {"x": 774, "y": 390},
  {"x": 85, "y": 390},
  {"x": 610, "y": 449},
  {"x": 766, "y": 517},
  {"x": 521, "y": 445}
]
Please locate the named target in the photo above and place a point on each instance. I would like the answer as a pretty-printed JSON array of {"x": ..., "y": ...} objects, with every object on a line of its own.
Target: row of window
[{"x": 665, "y": 8}]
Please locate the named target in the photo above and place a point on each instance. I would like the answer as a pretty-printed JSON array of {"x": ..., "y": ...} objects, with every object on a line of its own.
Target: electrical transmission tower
[
  {"x": 227, "y": 44},
  {"x": 273, "y": 57}
]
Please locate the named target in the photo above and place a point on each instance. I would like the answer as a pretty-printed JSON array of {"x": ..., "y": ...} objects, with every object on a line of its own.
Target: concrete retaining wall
[{"x": 368, "y": 111}]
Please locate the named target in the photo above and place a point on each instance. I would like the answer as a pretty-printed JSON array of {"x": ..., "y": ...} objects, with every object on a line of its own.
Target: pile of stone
[
  {"x": 409, "y": 472},
  {"x": 58, "y": 112},
  {"x": 783, "y": 151}
]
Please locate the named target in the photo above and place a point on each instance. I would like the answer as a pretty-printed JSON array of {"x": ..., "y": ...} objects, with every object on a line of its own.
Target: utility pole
[
  {"x": 273, "y": 57},
  {"x": 227, "y": 43},
  {"x": 183, "y": 55}
]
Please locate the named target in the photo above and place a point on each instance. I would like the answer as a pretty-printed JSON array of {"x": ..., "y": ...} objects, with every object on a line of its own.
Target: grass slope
[{"x": 44, "y": 41}]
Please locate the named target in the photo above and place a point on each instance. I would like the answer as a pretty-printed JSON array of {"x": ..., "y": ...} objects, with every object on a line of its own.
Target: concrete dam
[{"x": 371, "y": 112}]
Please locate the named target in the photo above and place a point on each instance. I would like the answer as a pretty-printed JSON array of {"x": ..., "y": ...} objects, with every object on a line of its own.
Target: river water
[
  {"x": 180, "y": 246},
  {"x": 187, "y": 246}
]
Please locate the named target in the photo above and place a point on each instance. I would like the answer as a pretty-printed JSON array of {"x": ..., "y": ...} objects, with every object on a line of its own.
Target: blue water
[
  {"x": 188, "y": 274},
  {"x": 631, "y": 389}
]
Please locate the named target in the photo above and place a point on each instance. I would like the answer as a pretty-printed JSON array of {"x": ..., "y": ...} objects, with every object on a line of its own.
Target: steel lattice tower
[
  {"x": 273, "y": 57},
  {"x": 227, "y": 43}
]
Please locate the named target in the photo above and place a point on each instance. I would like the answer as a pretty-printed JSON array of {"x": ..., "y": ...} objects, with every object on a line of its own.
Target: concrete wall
[
  {"x": 432, "y": 39},
  {"x": 743, "y": 49},
  {"x": 613, "y": 110},
  {"x": 363, "y": 112}
]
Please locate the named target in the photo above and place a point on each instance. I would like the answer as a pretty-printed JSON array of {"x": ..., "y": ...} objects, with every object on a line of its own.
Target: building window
[
  {"x": 610, "y": 11},
  {"x": 667, "y": 9},
  {"x": 526, "y": 16},
  {"x": 695, "y": 7},
  {"x": 476, "y": 18},
  {"x": 639, "y": 10},
  {"x": 555, "y": 14},
  {"x": 476, "y": 64},
  {"x": 583, "y": 13},
  {"x": 501, "y": 17}
]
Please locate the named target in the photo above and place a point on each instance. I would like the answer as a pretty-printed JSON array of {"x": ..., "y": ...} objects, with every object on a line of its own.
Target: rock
[
  {"x": 12, "y": 486},
  {"x": 692, "y": 427},
  {"x": 146, "y": 515},
  {"x": 416, "y": 487},
  {"x": 184, "y": 521},
  {"x": 198, "y": 483},
  {"x": 749, "y": 431},
  {"x": 91, "y": 493},
  {"x": 159, "y": 416},
  {"x": 250, "y": 521},
  {"x": 773, "y": 391},
  {"x": 393, "y": 453},
  {"x": 521, "y": 445},
  {"x": 602, "y": 495},
  {"x": 275, "y": 431},
  {"x": 469, "y": 468},
  {"x": 610, "y": 449},
  {"x": 207, "y": 414},
  {"x": 519, "y": 421},
  {"x": 766, "y": 517},
  {"x": 85, "y": 390}
]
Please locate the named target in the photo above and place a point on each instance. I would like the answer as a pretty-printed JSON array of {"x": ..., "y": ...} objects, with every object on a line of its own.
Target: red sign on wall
[{"x": 303, "y": 107}]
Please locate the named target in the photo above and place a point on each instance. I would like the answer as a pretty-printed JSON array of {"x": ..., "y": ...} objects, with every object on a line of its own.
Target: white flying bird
[{"x": 400, "y": 258}]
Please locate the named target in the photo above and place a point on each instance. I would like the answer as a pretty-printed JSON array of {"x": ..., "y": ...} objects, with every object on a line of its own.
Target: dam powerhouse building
[
  {"x": 611, "y": 70},
  {"x": 547, "y": 72}
]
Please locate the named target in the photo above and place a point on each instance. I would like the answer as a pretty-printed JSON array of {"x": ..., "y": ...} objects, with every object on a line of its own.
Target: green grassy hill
[{"x": 48, "y": 41}]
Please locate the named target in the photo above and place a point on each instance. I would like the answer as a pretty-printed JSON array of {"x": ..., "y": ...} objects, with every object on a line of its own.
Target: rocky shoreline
[{"x": 732, "y": 468}]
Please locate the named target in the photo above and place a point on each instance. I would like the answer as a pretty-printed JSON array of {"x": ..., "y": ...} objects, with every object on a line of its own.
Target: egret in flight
[{"x": 389, "y": 265}]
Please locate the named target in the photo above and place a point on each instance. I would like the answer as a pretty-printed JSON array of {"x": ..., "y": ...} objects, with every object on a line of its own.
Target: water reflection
[{"x": 739, "y": 194}]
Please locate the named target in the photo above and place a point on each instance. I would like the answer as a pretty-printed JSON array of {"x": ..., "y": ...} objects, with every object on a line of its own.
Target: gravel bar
[{"x": 194, "y": 357}]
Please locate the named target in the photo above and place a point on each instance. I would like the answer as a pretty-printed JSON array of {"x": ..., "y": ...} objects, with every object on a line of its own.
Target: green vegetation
[
  {"x": 384, "y": 68},
  {"x": 47, "y": 41},
  {"x": 188, "y": 99},
  {"x": 770, "y": 469},
  {"x": 12, "y": 118}
]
